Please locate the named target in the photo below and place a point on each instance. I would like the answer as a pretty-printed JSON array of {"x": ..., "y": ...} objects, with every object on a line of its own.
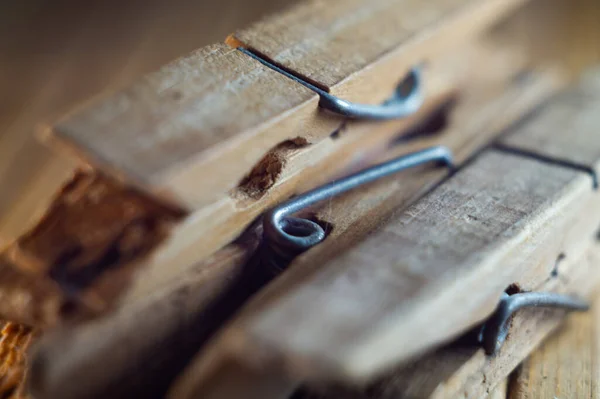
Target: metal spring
[
  {"x": 406, "y": 100},
  {"x": 495, "y": 330},
  {"x": 285, "y": 237}
]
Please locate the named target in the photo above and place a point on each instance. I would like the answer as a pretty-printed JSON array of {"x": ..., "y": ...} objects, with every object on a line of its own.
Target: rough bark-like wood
[
  {"x": 468, "y": 230},
  {"x": 15, "y": 340}
]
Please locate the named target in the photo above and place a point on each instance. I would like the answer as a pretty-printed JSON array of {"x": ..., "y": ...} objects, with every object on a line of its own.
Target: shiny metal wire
[
  {"x": 286, "y": 237},
  {"x": 406, "y": 100},
  {"x": 495, "y": 330}
]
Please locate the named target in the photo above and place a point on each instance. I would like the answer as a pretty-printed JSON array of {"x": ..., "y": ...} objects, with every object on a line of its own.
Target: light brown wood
[
  {"x": 497, "y": 218},
  {"x": 209, "y": 99},
  {"x": 344, "y": 37},
  {"x": 574, "y": 116},
  {"x": 302, "y": 270},
  {"x": 426, "y": 261},
  {"x": 56, "y": 56},
  {"x": 566, "y": 365},
  {"x": 463, "y": 371},
  {"x": 353, "y": 215},
  {"x": 162, "y": 133},
  {"x": 211, "y": 228},
  {"x": 467, "y": 372}
]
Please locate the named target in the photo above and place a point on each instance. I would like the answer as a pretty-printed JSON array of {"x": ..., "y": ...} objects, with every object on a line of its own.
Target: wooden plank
[
  {"x": 208, "y": 99},
  {"x": 566, "y": 365},
  {"x": 490, "y": 219},
  {"x": 211, "y": 228},
  {"x": 152, "y": 321},
  {"x": 470, "y": 227},
  {"x": 84, "y": 50},
  {"x": 575, "y": 116},
  {"x": 345, "y": 37},
  {"x": 297, "y": 166},
  {"x": 219, "y": 110},
  {"x": 462, "y": 369},
  {"x": 308, "y": 267}
]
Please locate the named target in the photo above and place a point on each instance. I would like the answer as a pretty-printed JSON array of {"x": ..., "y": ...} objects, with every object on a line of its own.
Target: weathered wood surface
[
  {"x": 212, "y": 98},
  {"x": 495, "y": 98},
  {"x": 275, "y": 177},
  {"x": 54, "y": 56},
  {"x": 165, "y": 131},
  {"x": 209, "y": 229},
  {"x": 566, "y": 365},
  {"x": 343, "y": 38},
  {"x": 14, "y": 343},
  {"x": 464, "y": 371},
  {"x": 575, "y": 118},
  {"x": 469, "y": 229}
]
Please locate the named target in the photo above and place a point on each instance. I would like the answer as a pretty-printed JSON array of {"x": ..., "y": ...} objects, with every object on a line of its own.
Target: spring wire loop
[{"x": 285, "y": 237}]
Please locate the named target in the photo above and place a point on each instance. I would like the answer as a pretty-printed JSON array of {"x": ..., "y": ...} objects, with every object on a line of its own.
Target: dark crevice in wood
[
  {"x": 235, "y": 43},
  {"x": 433, "y": 124},
  {"x": 265, "y": 173},
  {"x": 559, "y": 259},
  {"x": 512, "y": 289}
]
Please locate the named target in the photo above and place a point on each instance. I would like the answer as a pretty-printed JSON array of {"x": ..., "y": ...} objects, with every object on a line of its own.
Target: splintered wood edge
[{"x": 92, "y": 223}]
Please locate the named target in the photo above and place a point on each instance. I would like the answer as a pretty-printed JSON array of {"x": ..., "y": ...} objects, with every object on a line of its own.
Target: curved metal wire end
[
  {"x": 495, "y": 330},
  {"x": 285, "y": 237},
  {"x": 406, "y": 100}
]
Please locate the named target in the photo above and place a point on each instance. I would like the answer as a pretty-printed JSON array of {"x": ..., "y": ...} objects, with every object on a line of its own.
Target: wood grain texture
[
  {"x": 220, "y": 110},
  {"x": 468, "y": 228},
  {"x": 566, "y": 365},
  {"x": 575, "y": 115},
  {"x": 462, "y": 370},
  {"x": 209, "y": 99},
  {"x": 15, "y": 340},
  {"x": 422, "y": 265},
  {"x": 352, "y": 215},
  {"x": 358, "y": 213},
  {"x": 304, "y": 168},
  {"x": 344, "y": 37},
  {"x": 54, "y": 56}
]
